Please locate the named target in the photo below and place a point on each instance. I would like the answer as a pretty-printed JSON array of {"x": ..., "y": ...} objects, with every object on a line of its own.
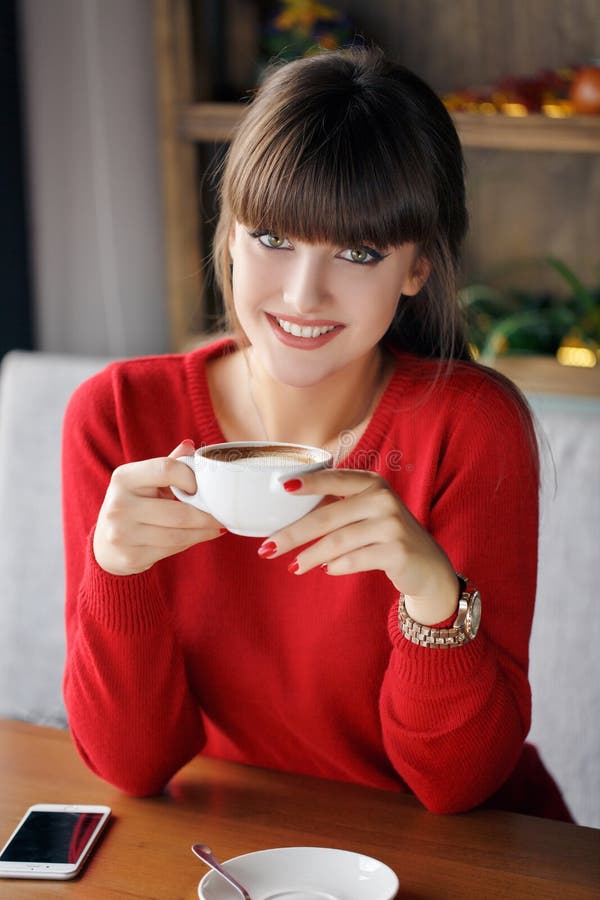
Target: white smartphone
[{"x": 52, "y": 841}]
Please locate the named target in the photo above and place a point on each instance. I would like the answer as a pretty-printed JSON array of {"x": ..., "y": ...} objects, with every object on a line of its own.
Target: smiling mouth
[{"x": 303, "y": 331}]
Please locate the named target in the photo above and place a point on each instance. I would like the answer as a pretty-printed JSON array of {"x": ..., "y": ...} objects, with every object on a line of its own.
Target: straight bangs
[{"x": 339, "y": 177}]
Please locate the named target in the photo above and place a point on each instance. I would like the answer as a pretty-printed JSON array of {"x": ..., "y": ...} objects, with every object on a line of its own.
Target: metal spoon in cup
[{"x": 205, "y": 854}]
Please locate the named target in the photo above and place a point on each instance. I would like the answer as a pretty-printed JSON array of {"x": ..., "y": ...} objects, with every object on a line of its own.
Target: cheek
[
  {"x": 371, "y": 300},
  {"x": 243, "y": 283},
  {"x": 254, "y": 277}
]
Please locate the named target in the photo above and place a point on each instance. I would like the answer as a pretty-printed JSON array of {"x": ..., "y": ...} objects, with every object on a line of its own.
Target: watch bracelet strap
[{"x": 429, "y": 635}]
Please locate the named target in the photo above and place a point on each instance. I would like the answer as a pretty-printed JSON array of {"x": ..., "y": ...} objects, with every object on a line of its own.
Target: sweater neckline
[{"x": 210, "y": 430}]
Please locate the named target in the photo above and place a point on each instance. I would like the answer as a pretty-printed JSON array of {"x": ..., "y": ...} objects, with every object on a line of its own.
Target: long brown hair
[{"x": 349, "y": 148}]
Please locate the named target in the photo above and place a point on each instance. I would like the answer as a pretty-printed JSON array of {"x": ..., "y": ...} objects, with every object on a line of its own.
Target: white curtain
[{"x": 93, "y": 176}]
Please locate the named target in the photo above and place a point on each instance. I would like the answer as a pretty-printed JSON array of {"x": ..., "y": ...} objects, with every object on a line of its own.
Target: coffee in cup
[{"x": 241, "y": 484}]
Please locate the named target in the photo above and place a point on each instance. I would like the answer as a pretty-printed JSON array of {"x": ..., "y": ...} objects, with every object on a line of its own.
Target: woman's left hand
[{"x": 368, "y": 527}]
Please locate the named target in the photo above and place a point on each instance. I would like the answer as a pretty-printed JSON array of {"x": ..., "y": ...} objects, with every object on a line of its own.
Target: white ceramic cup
[{"x": 241, "y": 484}]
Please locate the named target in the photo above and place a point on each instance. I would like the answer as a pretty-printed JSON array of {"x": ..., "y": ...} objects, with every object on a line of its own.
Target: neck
[{"x": 317, "y": 414}]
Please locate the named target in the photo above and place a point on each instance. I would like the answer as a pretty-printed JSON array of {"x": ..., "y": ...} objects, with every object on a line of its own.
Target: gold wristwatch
[{"x": 464, "y": 628}]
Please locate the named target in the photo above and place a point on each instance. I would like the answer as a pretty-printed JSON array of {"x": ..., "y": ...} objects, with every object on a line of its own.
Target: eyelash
[
  {"x": 260, "y": 234},
  {"x": 375, "y": 255}
]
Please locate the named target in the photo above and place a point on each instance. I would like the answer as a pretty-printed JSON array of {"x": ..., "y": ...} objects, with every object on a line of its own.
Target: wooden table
[{"x": 237, "y": 809}]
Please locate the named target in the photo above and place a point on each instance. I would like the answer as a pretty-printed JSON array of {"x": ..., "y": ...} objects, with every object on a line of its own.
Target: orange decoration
[{"x": 585, "y": 90}]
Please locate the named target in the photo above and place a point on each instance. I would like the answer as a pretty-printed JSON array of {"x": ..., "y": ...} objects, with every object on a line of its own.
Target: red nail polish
[
  {"x": 324, "y": 567},
  {"x": 222, "y": 531},
  {"x": 293, "y": 567},
  {"x": 267, "y": 548},
  {"x": 293, "y": 484}
]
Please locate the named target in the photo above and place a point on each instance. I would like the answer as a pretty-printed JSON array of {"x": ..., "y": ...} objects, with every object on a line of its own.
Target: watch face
[{"x": 475, "y": 614}]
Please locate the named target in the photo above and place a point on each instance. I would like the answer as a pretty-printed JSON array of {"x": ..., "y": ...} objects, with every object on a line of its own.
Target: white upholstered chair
[{"x": 34, "y": 389}]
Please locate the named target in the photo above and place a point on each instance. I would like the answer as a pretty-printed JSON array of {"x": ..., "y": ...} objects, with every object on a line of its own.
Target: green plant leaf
[
  {"x": 583, "y": 297},
  {"x": 551, "y": 326}
]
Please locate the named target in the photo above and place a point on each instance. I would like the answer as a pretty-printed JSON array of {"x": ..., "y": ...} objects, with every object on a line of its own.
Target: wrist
[
  {"x": 437, "y": 607},
  {"x": 463, "y": 629}
]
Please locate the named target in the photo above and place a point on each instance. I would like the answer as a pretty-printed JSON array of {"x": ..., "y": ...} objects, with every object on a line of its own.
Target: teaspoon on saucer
[{"x": 205, "y": 854}]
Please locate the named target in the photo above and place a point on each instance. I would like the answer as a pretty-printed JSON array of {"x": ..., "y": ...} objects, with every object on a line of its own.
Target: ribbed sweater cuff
[
  {"x": 429, "y": 666},
  {"x": 128, "y": 604}
]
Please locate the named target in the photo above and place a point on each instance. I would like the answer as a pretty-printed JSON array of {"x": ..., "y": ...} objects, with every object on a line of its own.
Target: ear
[{"x": 418, "y": 276}]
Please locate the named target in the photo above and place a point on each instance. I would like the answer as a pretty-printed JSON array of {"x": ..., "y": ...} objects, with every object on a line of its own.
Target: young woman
[{"x": 346, "y": 645}]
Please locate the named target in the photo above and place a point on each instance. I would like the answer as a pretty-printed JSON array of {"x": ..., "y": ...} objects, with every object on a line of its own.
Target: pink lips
[{"x": 301, "y": 343}]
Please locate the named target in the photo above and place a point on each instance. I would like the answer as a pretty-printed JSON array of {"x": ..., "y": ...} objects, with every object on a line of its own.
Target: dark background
[{"x": 16, "y": 330}]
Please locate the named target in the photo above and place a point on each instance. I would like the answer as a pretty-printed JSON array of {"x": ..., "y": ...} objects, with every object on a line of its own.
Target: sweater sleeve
[
  {"x": 132, "y": 716},
  {"x": 454, "y": 720}
]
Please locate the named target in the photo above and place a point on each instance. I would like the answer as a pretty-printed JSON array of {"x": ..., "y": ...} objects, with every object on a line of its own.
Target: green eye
[
  {"x": 271, "y": 239},
  {"x": 364, "y": 256}
]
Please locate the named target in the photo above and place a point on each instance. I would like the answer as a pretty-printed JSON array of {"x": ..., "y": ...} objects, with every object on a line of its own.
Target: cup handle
[{"x": 192, "y": 499}]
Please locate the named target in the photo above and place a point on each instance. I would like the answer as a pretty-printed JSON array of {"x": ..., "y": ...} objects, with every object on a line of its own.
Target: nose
[{"x": 305, "y": 288}]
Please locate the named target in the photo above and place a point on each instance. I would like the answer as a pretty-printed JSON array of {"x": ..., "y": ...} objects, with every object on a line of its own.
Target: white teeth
[{"x": 305, "y": 331}]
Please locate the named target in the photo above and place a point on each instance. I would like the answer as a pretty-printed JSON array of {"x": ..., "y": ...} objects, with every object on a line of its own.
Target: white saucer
[{"x": 303, "y": 873}]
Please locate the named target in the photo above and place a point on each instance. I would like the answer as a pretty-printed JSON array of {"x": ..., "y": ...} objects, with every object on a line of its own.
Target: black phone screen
[{"x": 51, "y": 837}]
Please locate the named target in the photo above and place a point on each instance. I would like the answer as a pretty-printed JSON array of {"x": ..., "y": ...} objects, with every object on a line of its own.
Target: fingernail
[
  {"x": 267, "y": 548},
  {"x": 222, "y": 531},
  {"x": 324, "y": 567},
  {"x": 293, "y": 567},
  {"x": 293, "y": 484}
]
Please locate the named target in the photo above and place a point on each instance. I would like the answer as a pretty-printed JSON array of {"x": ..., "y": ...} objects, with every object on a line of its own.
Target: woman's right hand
[{"x": 141, "y": 521}]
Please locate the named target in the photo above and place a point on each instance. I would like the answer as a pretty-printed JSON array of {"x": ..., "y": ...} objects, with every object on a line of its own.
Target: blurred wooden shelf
[
  {"x": 544, "y": 375},
  {"x": 187, "y": 72},
  {"x": 209, "y": 121},
  {"x": 576, "y": 134}
]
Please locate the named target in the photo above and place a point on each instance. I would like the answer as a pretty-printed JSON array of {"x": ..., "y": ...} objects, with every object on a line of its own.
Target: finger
[
  {"x": 338, "y": 482},
  {"x": 171, "y": 540},
  {"x": 376, "y": 503},
  {"x": 185, "y": 448},
  {"x": 367, "y": 534},
  {"x": 172, "y": 515},
  {"x": 155, "y": 544},
  {"x": 363, "y": 559},
  {"x": 151, "y": 474}
]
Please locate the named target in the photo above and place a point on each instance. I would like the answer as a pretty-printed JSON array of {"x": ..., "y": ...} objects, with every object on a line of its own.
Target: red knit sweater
[{"x": 218, "y": 651}]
